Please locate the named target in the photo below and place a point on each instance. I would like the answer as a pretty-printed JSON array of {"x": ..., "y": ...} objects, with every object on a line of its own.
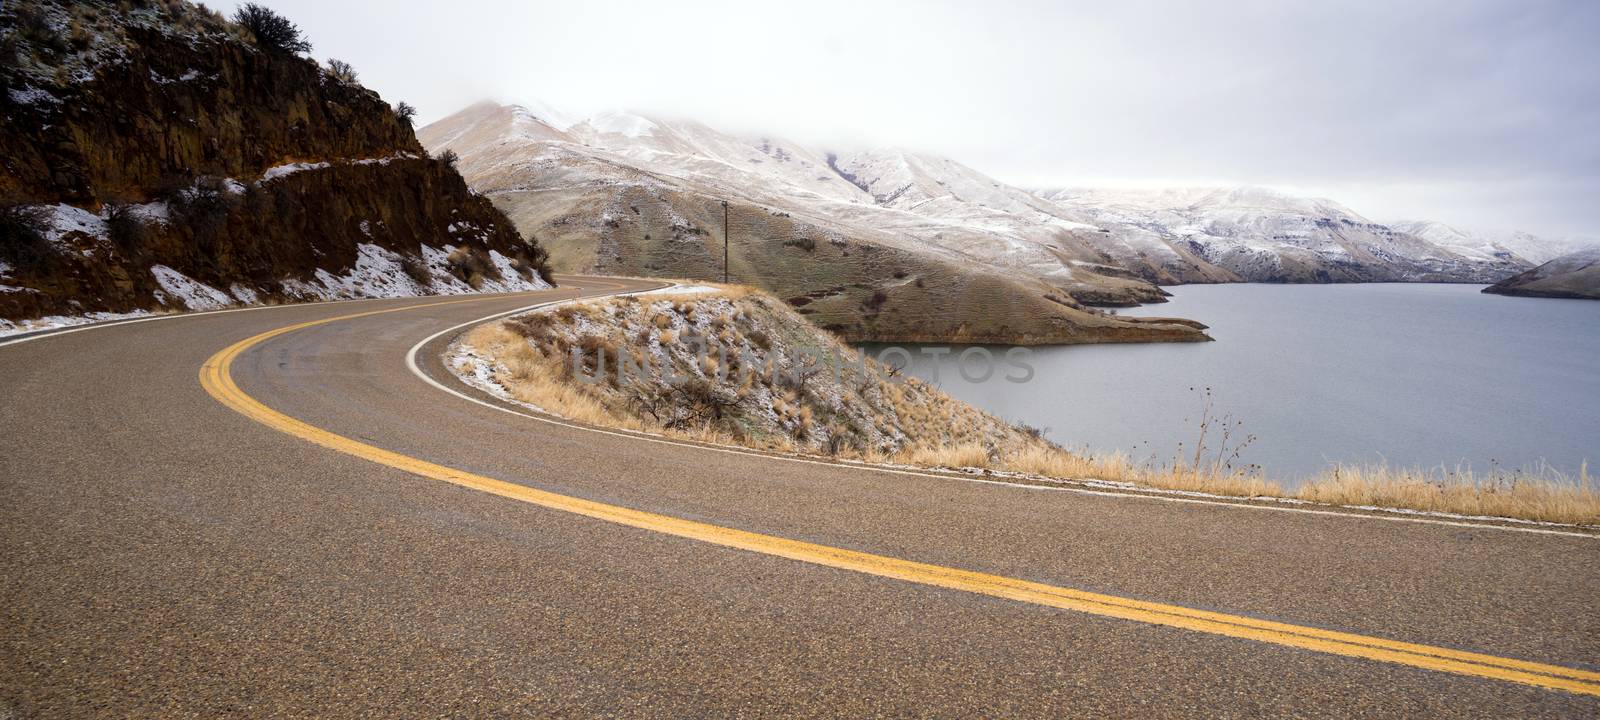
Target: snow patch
[
  {"x": 376, "y": 273},
  {"x": 52, "y": 322},
  {"x": 246, "y": 295},
  {"x": 32, "y": 96},
  {"x": 63, "y": 219},
  {"x": 193, "y": 294},
  {"x": 279, "y": 171},
  {"x": 624, "y": 124}
]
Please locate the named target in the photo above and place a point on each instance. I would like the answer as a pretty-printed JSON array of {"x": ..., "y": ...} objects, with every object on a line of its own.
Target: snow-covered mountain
[
  {"x": 1263, "y": 235},
  {"x": 628, "y": 194},
  {"x": 563, "y": 179},
  {"x": 1527, "y": 246}
]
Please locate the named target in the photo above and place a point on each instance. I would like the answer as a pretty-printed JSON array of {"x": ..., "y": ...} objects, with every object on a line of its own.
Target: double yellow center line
[{"x": 216, "y": 378}]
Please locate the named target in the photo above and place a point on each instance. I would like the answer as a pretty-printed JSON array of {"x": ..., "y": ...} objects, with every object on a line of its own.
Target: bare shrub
[
  {"x": 690, "y": 403},
  {"x": 416, "y": 269},
  {"x": 127, "y": 231},
  {"x": 22, "y": 237},
  {"x": 203, "y": 207},
  {"x": 271, "y": 31},
  {"x": 343, "y": 72},
  {"x": 470, "y": 265}
]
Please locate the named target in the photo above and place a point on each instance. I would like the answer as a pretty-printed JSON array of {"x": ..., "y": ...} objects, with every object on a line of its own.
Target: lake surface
[{"x": 1408, "y": 374}]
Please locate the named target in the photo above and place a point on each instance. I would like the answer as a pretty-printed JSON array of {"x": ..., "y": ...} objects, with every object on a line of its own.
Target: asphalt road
[{"x": 166, "y": 555}]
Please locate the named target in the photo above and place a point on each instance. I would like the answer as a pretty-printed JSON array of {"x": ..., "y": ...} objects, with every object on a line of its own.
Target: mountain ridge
[
  {"x": 648, "y": 202},
  {"x": 1096, "y": 246}
]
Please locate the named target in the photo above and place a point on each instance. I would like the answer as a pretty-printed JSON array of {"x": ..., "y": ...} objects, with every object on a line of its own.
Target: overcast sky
[{"x": 1481, "y": 114}]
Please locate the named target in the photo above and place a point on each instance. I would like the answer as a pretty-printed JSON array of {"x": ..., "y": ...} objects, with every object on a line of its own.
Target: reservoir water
[{"x": 1408, "y": 374}]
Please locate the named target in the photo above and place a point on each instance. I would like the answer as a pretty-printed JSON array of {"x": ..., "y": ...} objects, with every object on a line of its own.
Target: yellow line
[{"x": 217, "y": 379}]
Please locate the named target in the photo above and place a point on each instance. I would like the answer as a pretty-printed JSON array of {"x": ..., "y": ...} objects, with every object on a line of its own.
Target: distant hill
[
  {"x": 1575, "y": 275},
  {"x": 622, "y": 192},
  {"x": 1261, "y": 235},
  {"x": 158, "y": 156},
  {"x": 1525, "y": 246},
  {"x": 627, "y": 194}
]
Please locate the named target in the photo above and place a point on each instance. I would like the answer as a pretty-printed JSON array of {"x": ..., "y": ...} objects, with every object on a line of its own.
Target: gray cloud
[{"x": 1476, "y": 113}]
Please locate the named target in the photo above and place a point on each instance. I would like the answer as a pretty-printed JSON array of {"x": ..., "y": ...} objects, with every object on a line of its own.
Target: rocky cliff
[{"x": 157, "y": 156}]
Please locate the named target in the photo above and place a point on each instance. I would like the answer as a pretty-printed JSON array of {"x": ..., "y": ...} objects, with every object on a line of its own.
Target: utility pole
[{"x": 724, "y": 242}]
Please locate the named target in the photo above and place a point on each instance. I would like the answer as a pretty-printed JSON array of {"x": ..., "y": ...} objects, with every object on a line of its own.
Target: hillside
[
  {"x": 723, "y": 364},
  {"x": 624, "y": 194},
  {"x": 1575, "y": 275},
  {"x": 160, "y": 157},
  {"x": 592, "y": 189},
  {"x": 1261, "y": 235},
  {"x": 1532, "y": 248}
]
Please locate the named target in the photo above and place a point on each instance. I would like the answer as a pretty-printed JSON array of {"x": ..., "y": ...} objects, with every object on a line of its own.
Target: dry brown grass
[
  {"x": 940, "y": 430},
  {"x": 538, "y": 380},
  {"x": 1542, "y": 494},
  {"x": 963, "y": 455},
  {"x": 1049, "y": 461},
  {"x": 542, "y": 381}
]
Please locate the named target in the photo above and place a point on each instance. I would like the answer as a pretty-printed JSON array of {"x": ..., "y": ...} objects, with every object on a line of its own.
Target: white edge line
[
  {"x": 32, "y": 335},
  {"x": 411, "y": 363}
]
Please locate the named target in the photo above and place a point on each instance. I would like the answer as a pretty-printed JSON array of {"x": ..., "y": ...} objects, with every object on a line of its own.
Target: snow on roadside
[
  {"x": 472, "y": 368},
  {"x": 194, "y": 295},
  {"x": 52, "y": 322},
  {"x": 377, "y": 273},
  {"x": 246, "y": 295},
  {"x": 510, "y": 279},
  {"x": 380, "y": 273},
  {"x": 679, "y": 290}
]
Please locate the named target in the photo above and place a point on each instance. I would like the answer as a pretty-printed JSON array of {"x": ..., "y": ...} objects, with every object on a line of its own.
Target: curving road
[{"x": 266, "y": 512}]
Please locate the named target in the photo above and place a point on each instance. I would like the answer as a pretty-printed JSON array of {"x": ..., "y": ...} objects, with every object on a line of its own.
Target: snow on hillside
[
  {"x": 1071, "y": 238},
  {"x": 1265, "y": 234},
  {"x": 1526, "y": 246}
]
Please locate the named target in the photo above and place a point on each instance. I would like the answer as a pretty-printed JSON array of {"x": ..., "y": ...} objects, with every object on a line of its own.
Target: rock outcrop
[{"x": 157, "y": 157}]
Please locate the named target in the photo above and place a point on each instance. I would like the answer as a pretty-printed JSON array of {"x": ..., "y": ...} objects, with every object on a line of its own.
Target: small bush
[
  {"x": 271, "y": 31},
  {"x": 470, "y": 266},
  {"x": 203, "y": 208},
  {"x": 343, "y": 72},
  {"x": 405, "y": 111},
  {"x": 1034, "y": 432},
  {"x": 416, "y": 269},
  {"x": 22, "y": 239},
  {"x": 127, "y": 231},
  {"x": 448, "y": 157}
]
